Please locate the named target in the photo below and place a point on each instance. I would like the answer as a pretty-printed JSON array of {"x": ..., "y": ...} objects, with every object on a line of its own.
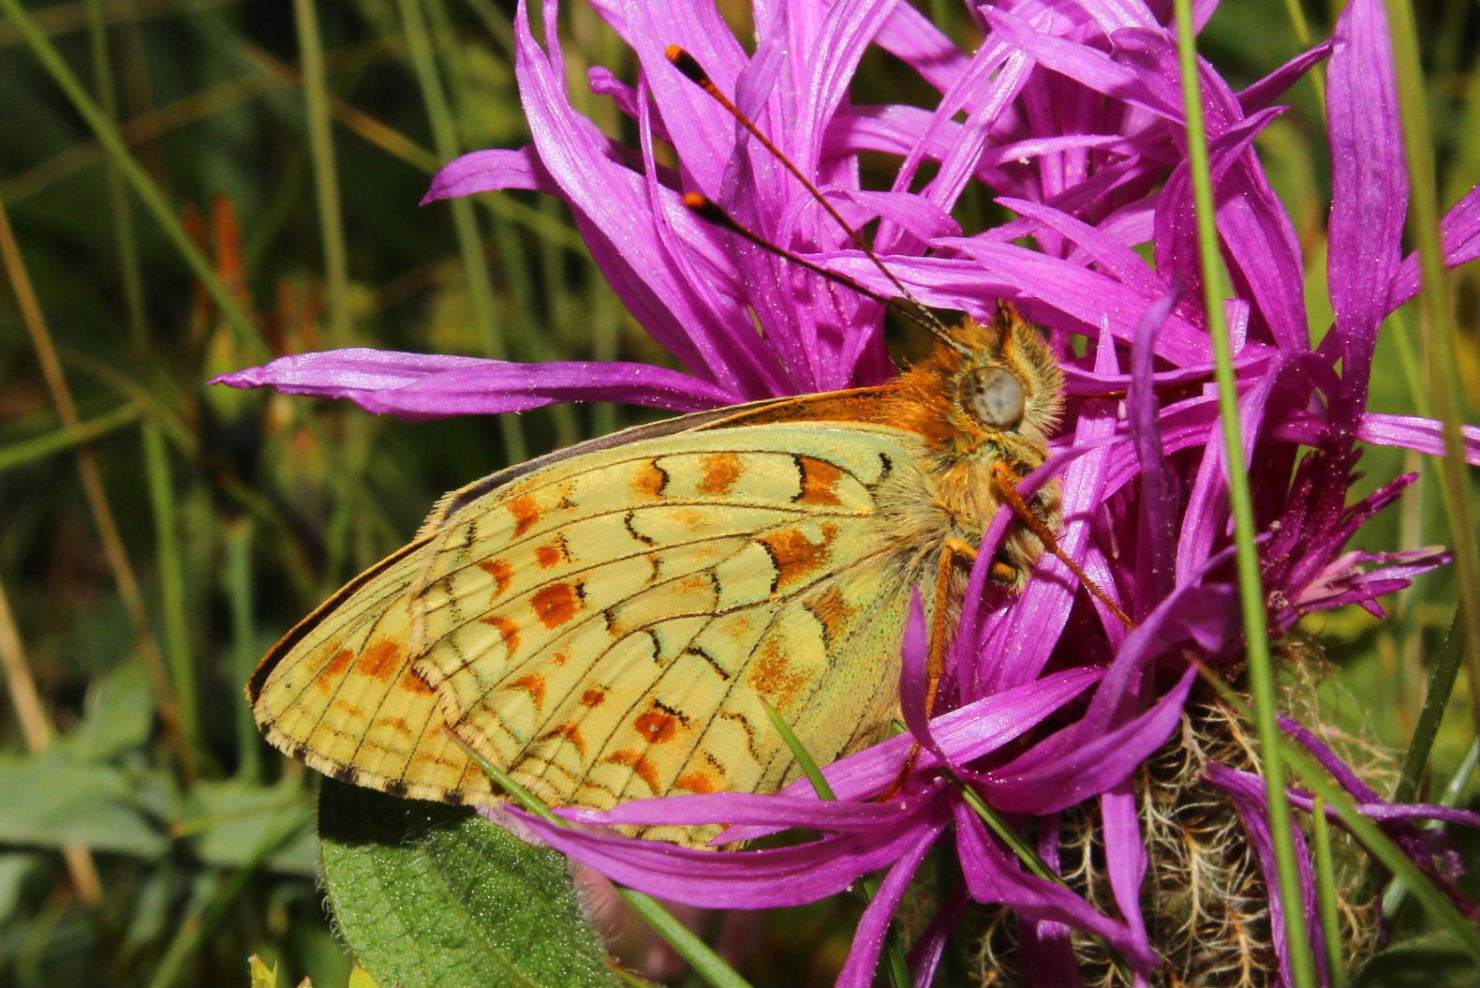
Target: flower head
[{"x": 1070, "y": 117}]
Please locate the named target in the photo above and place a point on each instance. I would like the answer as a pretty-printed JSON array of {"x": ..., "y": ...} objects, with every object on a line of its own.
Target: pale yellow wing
[
  {"x": 340, "y": 694},
  {"x": 604, "y": 626}
]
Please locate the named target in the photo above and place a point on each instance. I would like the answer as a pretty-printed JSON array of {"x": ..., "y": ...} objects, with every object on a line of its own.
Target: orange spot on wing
[
  {"x": 721, "y": 470},
  {"x": 415, "y": 682},
  {"x": 349, "y": 710},
  {"x": 773, "y": 678},
  {"x": 381, "y": 660},
  {"x": 570, "y": 732},
  {"x": 650, "y": 480},
  {"x": 557, "y": 603},
  {"x": 694, "y": 585},
  {"x": 700, "y": 782},
  {"x": 525, "y": 511},
  {"x": 656, "y": 726},
  {"x": 534, "y": 686},
  {"x": 692, "y": 519},
  {"x": 560, "y": 659},
  {"x": 552, "y": 554},
  {"x": 593, "y": 698},
  {"x": 508, "y": 630},
  {"x": 832, "y": 610},
  {"x": 397, "y": 724},
  {"x": 329, "y": 675},
  {"x": 796, "y": 556},
  {"x": 644, "y": 769},
  {"x": 819, "y": 481},
  {"x": 501, "y": 571}
]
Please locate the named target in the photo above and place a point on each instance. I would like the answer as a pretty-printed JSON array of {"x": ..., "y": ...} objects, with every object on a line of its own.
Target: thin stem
[
  {"x": 124, "y": 232},
  {"x": 1441, "y": 344},
  {"x": 1442, "y": 675},
  {"x": 67, "y": 437},
  {"x": 1326, "y": 894},
  {"x": 1251, "y": 590},
  {"x": 465, "y": 221},
  {"x": 244, "y": 651},
  {"x": 896, "y": 960},
  {"x": 93, "y": 489},
  {"x": 171, "y": 579},
  {"x": 326, "y": 177}
]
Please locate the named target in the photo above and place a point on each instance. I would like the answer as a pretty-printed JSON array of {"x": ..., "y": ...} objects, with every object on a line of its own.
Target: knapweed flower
[{"x": 1053, "y": 714}]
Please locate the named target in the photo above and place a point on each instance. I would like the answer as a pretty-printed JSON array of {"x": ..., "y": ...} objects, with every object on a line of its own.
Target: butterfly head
[{"x": 1003, "y": 384}]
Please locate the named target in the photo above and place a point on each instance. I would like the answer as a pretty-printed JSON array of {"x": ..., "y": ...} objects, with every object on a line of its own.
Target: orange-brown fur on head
[
  {"x": 932, "y": 400},
  {"x": 933, "y": 390}
]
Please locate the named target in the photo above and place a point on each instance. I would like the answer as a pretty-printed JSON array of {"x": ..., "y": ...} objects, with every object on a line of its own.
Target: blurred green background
[{"x": 156, "y": 535}]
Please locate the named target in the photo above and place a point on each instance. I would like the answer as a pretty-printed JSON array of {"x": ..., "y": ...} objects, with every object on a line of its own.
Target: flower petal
[
  {"x": 490, "y": 171},
  {"x": 787, "y": 876},
  {"x": 427, "y": 386},
  {"x": 873, "y": 926},
  {"x": 994, "y": 876}
]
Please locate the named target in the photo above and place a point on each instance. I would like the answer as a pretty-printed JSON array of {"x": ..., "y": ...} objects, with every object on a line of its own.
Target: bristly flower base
[{"x": 1204, "y": 898}]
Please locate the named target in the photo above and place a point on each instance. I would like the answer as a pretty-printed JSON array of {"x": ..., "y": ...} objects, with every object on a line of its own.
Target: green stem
[
  {"x": 465, "y": 221},
  {"x": 326, "y": 178},
  {"x": 244, "y": 650},
  {"x": 1251, "y": 590},
  {"x": 1436, "y": 325},
  {"x": 896, "y": 960},
  {"x": 1326, "y": 894},
  {"x": 171, "y": 581},
  {"x": 65, "y": 438},
  {"x": 118, "y": 204}
]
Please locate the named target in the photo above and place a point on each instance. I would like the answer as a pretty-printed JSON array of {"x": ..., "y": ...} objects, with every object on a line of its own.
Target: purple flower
[{"x": 1070, "y": 116}]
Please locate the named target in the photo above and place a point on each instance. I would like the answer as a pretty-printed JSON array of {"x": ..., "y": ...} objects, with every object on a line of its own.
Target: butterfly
[{"x": 604, "y": 622}]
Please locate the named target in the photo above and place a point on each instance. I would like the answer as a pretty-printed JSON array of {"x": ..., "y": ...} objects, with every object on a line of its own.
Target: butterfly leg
[
  {"x": 954, "y": 551},
  {"x": 1007, "y": 492}
]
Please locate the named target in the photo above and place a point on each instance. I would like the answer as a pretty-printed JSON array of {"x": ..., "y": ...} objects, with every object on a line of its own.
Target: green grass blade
[
  {"x": 66, "y": 438},
  {"x": 1251, "y": 590}
]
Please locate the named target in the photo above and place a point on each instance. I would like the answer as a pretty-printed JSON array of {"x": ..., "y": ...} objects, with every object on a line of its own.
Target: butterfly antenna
[
  {"x": 694, "y": 72},
  {"x": 706, "y": 209}
]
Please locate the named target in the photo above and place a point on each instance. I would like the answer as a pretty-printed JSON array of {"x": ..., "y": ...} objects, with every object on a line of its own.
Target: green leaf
[
  {"x": 431, "y": 895},
  {"x": 119, "y": 716},
  {"x": 15, "y": 868},
  {"x": 236, "y": 823},
  {"x": 54, "y": 801},
  {"x": 1434, "y": 958}
]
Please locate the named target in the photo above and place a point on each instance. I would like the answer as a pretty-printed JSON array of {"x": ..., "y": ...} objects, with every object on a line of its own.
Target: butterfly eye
[{"x": 995, "y": 395}]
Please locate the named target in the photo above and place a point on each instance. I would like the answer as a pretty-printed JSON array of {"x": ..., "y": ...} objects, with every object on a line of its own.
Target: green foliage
[{"x": 431, "y": 895}]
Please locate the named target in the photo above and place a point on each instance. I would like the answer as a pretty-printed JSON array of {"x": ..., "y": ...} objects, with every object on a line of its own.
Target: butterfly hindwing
[
  {"x": 606, "y": 627},
  {"x": 340, "y": 693}
]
